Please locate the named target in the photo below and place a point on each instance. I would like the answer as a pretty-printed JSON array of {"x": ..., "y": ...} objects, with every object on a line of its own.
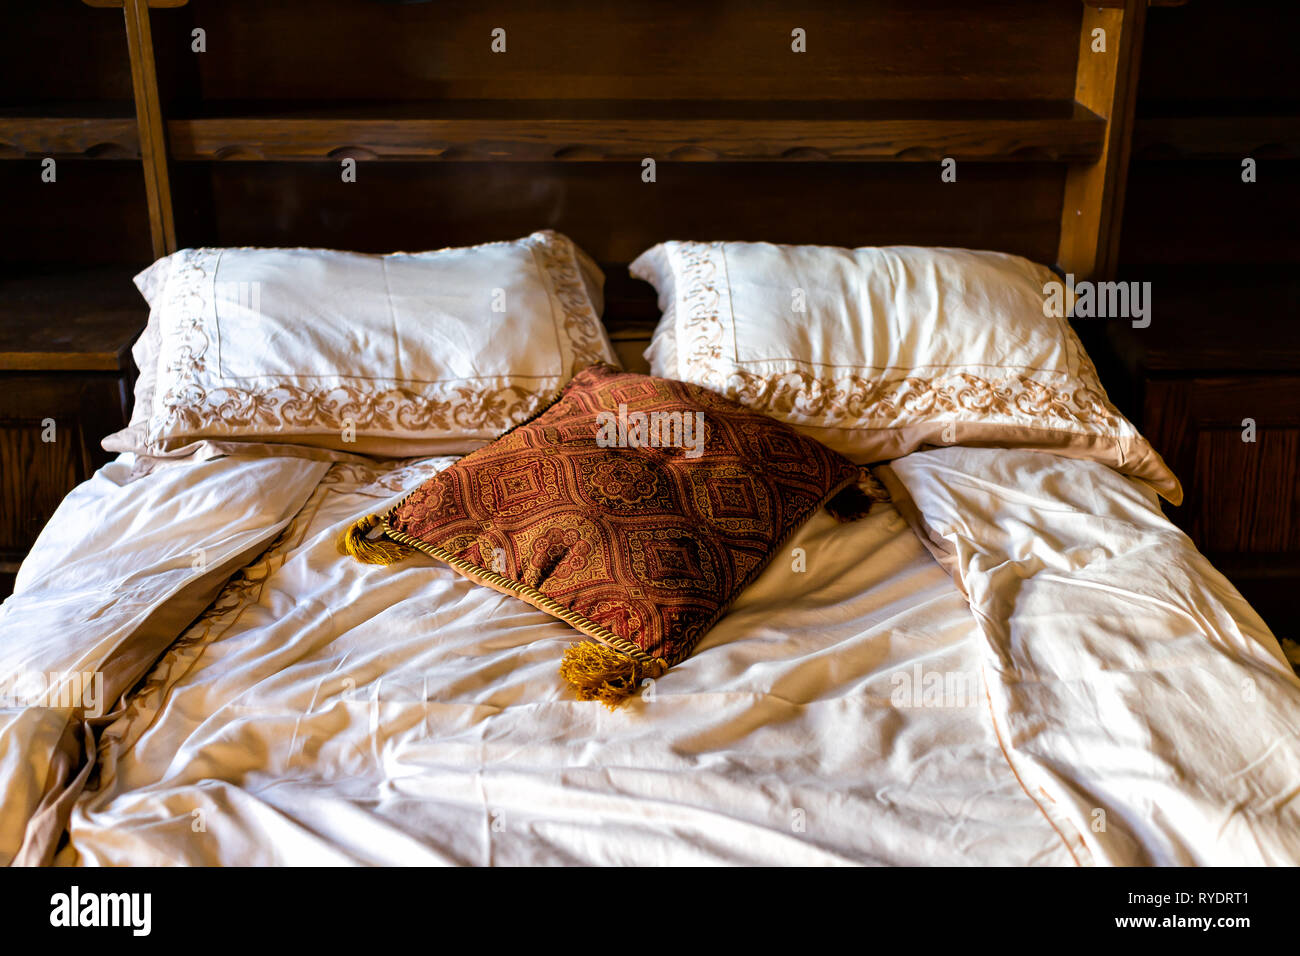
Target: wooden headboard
[{"x": 827, "y": 122}]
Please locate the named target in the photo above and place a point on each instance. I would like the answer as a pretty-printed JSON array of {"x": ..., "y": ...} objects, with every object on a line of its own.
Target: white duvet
[{"x": 1104, "y": 697}]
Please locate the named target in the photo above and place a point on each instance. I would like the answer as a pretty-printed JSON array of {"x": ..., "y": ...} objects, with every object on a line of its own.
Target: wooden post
[
  {"x": 1106, "y": 84},
  {"x": 148, "y": 117}
]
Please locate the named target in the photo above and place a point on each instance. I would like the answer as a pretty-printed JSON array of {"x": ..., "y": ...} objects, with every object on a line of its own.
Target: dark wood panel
[
  {"x": 39, "y": 294},
  {"x": 1241, "y": 496},
  {"x": 1200, "y": 211},
  {"x": 1272, "y": 400},
  {"x": 1220, "y": 54},
  {"x": 1219, "y": 82},
  {"x": 608, "y": 210},
  {"x": 1248, "y": 499},
  {"x": 340, "y": 50},
  {"x": 630, "y": 345},
  {"x": 86, "y": 407},
  {"x": 37, "y": 475},
  {"x": 94, "y": 213},
  {"x": 903, "y": 59},
  {"x": 1219, "y": 319},
  {"x": 55, "y": 50}
]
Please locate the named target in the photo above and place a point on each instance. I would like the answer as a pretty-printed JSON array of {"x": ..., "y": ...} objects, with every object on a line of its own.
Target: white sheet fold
[
  {"x": 120, "y": 570},
  {"x": 1135, "y": 691}
]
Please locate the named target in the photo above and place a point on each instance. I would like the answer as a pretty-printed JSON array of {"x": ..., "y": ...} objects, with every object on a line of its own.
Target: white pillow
[
  {"x": 403, "y": 354},
  {"x": 880, "y": 351}
]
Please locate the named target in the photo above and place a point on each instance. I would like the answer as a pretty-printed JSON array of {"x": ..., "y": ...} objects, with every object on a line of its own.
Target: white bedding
[
  {"x": 1129, "y": 682},
  {"x": 325, "y": 711},
  {"x": 119, "y": 570}
]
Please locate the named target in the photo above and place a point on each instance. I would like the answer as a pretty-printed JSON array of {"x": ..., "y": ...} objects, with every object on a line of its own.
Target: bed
[
  {"x": 1016, "y": 659},
  {"x": 1011, "y": 657},
  {"x": 859, "y": 714}
]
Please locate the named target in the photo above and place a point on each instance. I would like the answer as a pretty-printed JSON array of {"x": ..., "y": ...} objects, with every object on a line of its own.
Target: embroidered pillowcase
[
  {"x": 634, "y": 508},
  {"x": 880, "y": 351},
  {"x": 403, "y": 354}
]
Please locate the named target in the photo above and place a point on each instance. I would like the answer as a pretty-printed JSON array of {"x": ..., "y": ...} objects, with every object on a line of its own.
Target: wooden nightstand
[
  {"x": 65, "y": 374},
  {"x": 1223, "y": 351}
]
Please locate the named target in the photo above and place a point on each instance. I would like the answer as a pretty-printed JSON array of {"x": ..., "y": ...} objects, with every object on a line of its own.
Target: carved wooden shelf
[
  {"x": 94, "y": 131},
  {"x": 1265, "y": 136},
  {"x": 76, "y": 320},
  {"x": 594, "y": 130}
]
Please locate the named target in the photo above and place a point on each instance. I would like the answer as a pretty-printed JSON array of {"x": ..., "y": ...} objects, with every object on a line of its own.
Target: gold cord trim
[{"x": 529, "y": 594}]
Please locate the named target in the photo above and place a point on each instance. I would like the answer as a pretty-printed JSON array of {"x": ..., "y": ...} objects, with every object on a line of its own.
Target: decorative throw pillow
[
  {"x": 402, "y": 354},
  {"x": 634, "y": 508},
  {"x": 880, "y": 351}
]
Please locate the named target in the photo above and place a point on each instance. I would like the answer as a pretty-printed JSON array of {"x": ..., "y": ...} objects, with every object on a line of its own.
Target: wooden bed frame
[
  {"x": 842, "y": 144},
  {"x": 1037, "y": 117}
]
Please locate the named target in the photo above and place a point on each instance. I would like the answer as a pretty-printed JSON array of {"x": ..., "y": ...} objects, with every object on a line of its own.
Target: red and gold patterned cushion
[{"x": 641, "y": 545}]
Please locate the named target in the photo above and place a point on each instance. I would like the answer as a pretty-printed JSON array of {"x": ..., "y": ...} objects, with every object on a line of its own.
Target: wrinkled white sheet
[
  {"x": 119, "y": 570},
  {"x": 327, "y": 711},
  {"x": 1141, "y": 700},
  {"x": 1111, "y": 699}
]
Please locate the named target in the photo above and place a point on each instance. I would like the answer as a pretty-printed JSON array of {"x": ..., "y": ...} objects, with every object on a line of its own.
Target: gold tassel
[
  {"x": 356, "y": 541},
  {"x": 598, "y": 672},
  {"x": 857, "y": 499}
]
